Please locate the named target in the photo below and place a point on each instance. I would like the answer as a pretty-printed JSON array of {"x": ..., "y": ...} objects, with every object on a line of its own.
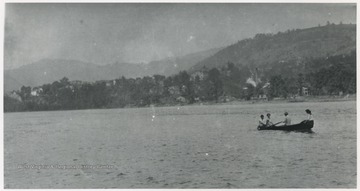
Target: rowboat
[{"x": 304, "y": 125}]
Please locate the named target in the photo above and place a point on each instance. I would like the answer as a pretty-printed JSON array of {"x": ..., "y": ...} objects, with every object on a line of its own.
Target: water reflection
[{"x": 307, "y": 131}]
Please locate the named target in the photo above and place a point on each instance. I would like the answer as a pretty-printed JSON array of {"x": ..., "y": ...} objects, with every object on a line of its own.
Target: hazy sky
[{"x": 106, "y": 33}]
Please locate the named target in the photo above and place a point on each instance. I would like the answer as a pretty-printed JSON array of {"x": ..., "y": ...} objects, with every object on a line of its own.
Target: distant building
[
  {"x": 197, "y": 99},
  {"x": 36, "y": 91},
  {"x": 305, "y": 91},
  {"x": 14, "y": 95},
  {"x": 108, "y": 83},
  {"x": 226, "y": 98},
  {"x": 200, "y": 74},
  {"x": 76, "y": 83},
  {"x": 263, "y": 97},
  {"x": 181, "y": 99}
]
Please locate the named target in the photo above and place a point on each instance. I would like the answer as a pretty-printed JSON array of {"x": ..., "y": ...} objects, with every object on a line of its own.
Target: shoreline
[
  {"x": 234, "y": 102},
  {"x": 298, "y": 100}
]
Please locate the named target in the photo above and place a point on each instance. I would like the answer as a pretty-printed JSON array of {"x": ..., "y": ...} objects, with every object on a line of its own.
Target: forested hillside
[
  {"x": 293, "y": 47},
  {"x": 314, "y": 61},
  {"x": 324, "y": 76}
]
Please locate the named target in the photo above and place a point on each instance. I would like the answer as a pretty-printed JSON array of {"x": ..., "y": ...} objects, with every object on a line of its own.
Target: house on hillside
[
  {"x": 110, "y": 83},
  {"x": 262, "y": 97},
  {"x": 199, "y": 74},
  {"x": 181, "y": 99},
  {"x": 76, "y": 83},
  {"x": 15, "y": 95},
  {"x": 36, "y": 91},
  {"x": 305, "y": 91}
]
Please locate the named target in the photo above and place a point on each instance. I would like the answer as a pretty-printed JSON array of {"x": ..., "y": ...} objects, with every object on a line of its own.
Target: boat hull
[{"x": 304, "y": 125}]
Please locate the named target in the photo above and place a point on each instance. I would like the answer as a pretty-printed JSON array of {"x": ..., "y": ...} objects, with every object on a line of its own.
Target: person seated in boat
[
  {"x": 287, "y": 120},
  {"x": 268, "y": 120},
  {"x": 309, "y": 116},
  {"x": 262, "y": 121}
]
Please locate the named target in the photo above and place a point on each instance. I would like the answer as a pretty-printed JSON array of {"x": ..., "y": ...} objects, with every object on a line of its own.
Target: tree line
[{"x": 322, "y": 76}]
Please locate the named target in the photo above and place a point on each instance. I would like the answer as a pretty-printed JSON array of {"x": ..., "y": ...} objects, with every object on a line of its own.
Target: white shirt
[
  {"x": 310, "y": 117},
  {"x": 287, "y": 120},
  {"x": 261, "y": 122}
]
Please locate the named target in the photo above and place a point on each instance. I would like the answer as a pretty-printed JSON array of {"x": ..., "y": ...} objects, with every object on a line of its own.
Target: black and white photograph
[{"x": 184, "y": 95}]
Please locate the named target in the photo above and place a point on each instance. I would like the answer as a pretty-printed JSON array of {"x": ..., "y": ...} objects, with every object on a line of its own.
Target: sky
[{"x": 104, "y": 33}]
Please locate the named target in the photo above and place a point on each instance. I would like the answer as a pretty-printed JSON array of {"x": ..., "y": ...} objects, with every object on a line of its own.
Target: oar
[{"x": 277, "y": 123}]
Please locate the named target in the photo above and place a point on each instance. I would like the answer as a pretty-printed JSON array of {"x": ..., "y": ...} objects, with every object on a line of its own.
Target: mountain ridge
[
  {"x": 296, "y": 45},
  {"x": 50, "y": 70},
  {"x": 265, "y": 51}
]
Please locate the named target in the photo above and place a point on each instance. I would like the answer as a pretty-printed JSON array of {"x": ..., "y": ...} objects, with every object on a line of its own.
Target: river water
[{"x": 214, "y": 146}]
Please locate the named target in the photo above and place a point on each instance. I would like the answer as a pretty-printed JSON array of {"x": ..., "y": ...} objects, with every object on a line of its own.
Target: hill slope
[
  {"x": 50, "y": 70},
  {"x": 47, "y": 71},
  {"x": 296, "y": 46},
  {"x": 172, "y": 66}
]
